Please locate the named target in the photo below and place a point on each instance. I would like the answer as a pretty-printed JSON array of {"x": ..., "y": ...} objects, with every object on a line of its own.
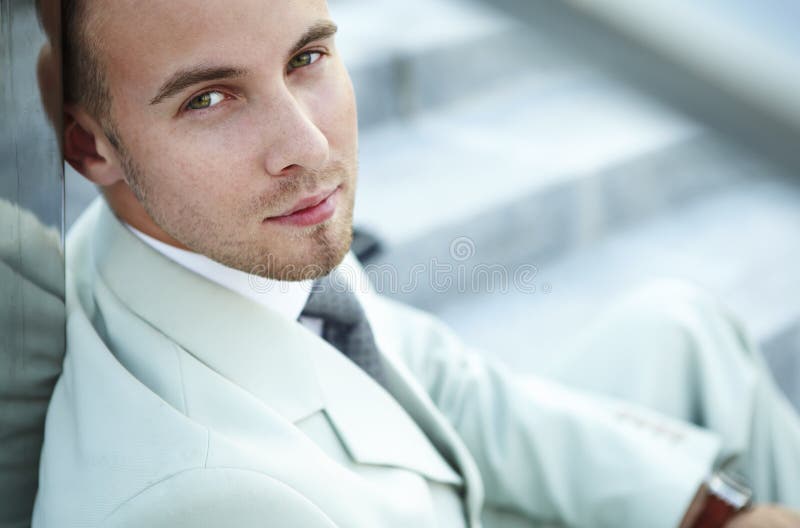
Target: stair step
[
  {"x": 573, "y": 158},
  {"x": 408, "y": 56},
  {"x": 738, "y": 243}
]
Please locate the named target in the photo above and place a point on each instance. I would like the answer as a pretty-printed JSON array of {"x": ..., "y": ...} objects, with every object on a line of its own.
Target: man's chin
[
  {"x": 297, "y": 273},
  {"x": 315, "y": 263}
]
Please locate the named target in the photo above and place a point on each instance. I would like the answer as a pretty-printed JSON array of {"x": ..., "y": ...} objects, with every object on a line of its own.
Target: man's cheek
[{"x": 332, "y": 106}]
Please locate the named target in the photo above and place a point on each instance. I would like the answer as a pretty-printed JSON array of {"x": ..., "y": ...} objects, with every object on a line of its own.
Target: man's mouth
[{"x": 309, "y": 211}]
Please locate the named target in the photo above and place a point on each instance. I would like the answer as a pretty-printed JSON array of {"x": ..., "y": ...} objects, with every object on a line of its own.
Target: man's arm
[
  {"x": 552, "y": 453},
  {"x": 505, "y": 421}
]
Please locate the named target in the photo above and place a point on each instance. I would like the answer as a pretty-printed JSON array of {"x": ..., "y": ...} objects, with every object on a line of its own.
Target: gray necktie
[{"x": 345, "y": 324}]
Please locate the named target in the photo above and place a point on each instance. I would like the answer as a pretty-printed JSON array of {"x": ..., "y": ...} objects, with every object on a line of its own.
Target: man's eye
[
  {"x": 304, "y": 59},
  {"x": 205, "y": 100}
]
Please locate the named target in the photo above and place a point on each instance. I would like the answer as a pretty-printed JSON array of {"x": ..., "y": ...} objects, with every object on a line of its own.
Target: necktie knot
[
  {"x": 345, "y": 324},
  {"x": 333, "y": 300}
]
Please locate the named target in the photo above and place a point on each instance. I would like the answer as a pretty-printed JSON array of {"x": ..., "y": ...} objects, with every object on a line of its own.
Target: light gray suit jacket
[{"x": 183, "y": 404}]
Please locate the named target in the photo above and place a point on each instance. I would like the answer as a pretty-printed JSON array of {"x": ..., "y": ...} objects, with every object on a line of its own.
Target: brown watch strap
[
  {"x": 726, "y": 497},
  {"x": 716, "y": 513}
]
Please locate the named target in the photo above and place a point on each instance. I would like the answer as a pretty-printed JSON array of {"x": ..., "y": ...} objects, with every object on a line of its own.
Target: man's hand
[{"x": 766, "y": 516}]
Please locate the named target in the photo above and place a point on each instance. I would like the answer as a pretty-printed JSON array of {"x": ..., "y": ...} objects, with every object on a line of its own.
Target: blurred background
[
  {"x": 591, "y": 146},
  {"x": 32, "y": 329}
]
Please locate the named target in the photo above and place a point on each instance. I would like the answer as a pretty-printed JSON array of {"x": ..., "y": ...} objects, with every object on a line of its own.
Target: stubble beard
[{"x": 327, "y": 243}]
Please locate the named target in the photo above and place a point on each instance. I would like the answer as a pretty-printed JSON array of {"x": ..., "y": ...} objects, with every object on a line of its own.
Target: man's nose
[{"x": 295, "y": 139}]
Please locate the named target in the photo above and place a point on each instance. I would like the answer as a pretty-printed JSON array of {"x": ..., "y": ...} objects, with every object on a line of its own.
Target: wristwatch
[{"x": 727, "y": 496}]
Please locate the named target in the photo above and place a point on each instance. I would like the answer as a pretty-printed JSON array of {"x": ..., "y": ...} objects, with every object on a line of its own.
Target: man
[{"x": 223, "y": 137}]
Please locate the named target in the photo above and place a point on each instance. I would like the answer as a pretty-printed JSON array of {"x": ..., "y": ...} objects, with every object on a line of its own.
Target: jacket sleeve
[
  {"x": 551, "y": 452},
  {"x": 216, "y": 498}
]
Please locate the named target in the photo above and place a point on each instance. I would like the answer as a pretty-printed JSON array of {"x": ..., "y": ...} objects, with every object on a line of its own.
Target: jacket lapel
[
  {"x": 416, "y": 402},
  {"x": 245, "y": 342},
  {"x": 374, "y": 428}
]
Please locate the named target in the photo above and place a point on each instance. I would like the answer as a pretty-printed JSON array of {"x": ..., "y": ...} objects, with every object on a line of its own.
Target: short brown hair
[{"x": 84, "y": 76}]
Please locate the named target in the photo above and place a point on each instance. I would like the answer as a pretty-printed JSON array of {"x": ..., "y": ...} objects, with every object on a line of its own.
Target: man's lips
[{"x": 310, "y": 210}]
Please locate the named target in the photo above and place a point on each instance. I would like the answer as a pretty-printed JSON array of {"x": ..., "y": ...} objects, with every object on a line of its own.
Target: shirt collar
[{"x": 284, "y": 297}]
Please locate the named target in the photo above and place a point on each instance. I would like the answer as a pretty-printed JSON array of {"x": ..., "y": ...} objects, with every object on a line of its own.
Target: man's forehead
[{"x": 147, "y": 38}]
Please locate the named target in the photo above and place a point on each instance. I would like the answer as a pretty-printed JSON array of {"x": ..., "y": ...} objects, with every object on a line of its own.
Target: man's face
[{"x": 229, "y": 116}]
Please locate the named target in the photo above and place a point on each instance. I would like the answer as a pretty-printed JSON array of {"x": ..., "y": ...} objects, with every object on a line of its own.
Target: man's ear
[{"x": 87, "y": 148}]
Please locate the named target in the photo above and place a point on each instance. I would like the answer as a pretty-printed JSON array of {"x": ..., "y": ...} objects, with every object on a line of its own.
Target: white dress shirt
[{"x": 284, "y": 297}]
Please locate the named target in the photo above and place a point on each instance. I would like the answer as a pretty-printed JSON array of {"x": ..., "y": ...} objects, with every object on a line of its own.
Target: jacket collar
[
  {"x": 239, "y": 339},
  {"x": 284, "y": 297}
]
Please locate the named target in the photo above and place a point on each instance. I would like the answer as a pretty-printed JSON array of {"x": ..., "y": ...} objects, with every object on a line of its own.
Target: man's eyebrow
[
  {"x": 183, "y": 79},
  {"x": 319, "y": 31}
]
